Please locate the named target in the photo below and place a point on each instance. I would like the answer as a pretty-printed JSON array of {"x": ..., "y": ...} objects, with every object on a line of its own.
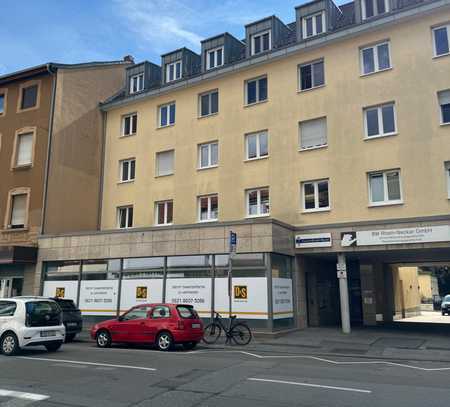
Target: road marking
[
  {"x": 77, "y": 362},
  {"x": 254, "y": 379},
  {"x": 22, "y": 395}
]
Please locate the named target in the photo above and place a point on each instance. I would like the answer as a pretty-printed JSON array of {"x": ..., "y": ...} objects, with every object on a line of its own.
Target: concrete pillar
[
  {"x": 369, "y": 303},
  {"x": 343, "y": 291}
]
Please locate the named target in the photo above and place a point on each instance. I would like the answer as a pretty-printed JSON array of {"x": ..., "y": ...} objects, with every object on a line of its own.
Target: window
[
  {"x": 444, "y": 103},
  {"x": 372, "y": 8},
  {"x": 7, "y": 308},
  {"x": 313, "y": 133},
  {"x": 173, "y": 71},
  {"x": 137, "y": 83},
  {"x": 214, "y": 58},
  {"x": 257, "y": 145},
  {"x": 136, "y": 313},
  {"x": 209, "y": 103},
  {"x": 164, "y": 163},
  {"x": 2, "y": 102},
  {"x": 385, "y": 188},
  {"x": 161, "y": 311},
  {"x": 125, "y": 217},
  {"x": 167, "y": 115},
  {"x": 256, "y": 90},
  {"x": 208, "y": 208},
  {"x": 24, "y": 149},
  {"x": 316, "y": 196},
  {"x": 164, "y": 213},
  {"x": 447, "y": 176},
  {"x": 129, "y": 125},
  {"x": 258, "y": 202},
  {"x": 29, "y": 97},
  {"x": 380, "y": 121},
  {"x": 127, "y": 170},
  {"x": 18, "y": 212},
  {"x": 312, "y": 75},
  {"x": 441, "y": 40},
  {"x": 261, "y": 42},
  {"x": 314, "y": 25},
  {"x": 375, "y": 58},
  {"x": 208, "y": 155}
]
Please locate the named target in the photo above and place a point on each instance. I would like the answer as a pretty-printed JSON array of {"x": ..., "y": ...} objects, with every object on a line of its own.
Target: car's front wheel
[
  {"x": 53, "y": 346},
  {"x": 103, "y": 339},
  {"x": 164, "y": 341},
  {"x": 9, "y": 344}
]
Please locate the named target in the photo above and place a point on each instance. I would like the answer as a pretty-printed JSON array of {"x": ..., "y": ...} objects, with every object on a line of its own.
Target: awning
[{"x": 18, "y": 254}]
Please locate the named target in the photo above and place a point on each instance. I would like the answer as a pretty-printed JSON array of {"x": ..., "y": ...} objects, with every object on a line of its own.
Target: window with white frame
[
  {"x": 18, "y": 211},
  {"x": 137, "y": 83},
  {"x": 256, "y": 145},
  {"x": 444, "y": 103},
  {"x": 208, "y": 155},
  {"x": 164, "y": 213},
  {"x": 129, "y": 124},
  {"x": 441, "y": 40},
  {"x": 164, "y": 163},
  {"x": 261, "y": 42},
  {"x": 24, "y": 149},
  {"x": 372, "y": 8},
  {"x": 214, "y": 58},
  {"x": 313, "y": 133},
  {"x": 125, "y": 217},
  {"x": 209, "y": 103},
  {"x": 314, "y": 25},
  {"x": 375, "y": 58},
  {"x": 311, "y": 75},
  {"x": 127, "y": 170},
  {"x": 315, "y": 196},
  {"x": 258, "y": 202},
  {"x": 385, "y": 187},
  {"x": 208, "y": 208},
  {"x": 380, "y": 121},
  {"x": 256, "y": 90},
  {"x": 166, "y": 115},
  {"x": 173, "y": 71},
  {"x": 447, "y": 176}
]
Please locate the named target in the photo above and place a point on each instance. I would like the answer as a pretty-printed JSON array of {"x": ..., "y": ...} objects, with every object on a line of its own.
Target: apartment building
[
  {"x": 323, "y": 143},
  {"x": 50, "y": 155}
]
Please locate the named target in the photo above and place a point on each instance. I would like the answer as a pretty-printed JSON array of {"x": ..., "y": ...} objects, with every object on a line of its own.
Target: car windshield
[
  {"x": 43, "y": 313},
  {"x": 186, "y": 312},
  {"x": 67, "y": 305},
  {"x": 447, "y": 298}
]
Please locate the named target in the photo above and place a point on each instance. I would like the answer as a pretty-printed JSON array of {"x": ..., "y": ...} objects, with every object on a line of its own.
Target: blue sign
[{"x": 233, "y": 238}]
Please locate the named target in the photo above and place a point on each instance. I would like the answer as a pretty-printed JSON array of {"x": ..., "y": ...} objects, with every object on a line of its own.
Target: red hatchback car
[{"x": 161, "y": 324}]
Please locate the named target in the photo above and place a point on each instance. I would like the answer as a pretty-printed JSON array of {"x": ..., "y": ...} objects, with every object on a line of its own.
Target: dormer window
[
  {"x": 137, "y": 83},
  {"x": 314, "y": 25},
  {"x": 214, "y": 58},
  {"x": 261, "y": 42},
  {"x": 372, "y": 8},
  {"x": 173, "y": 71}
]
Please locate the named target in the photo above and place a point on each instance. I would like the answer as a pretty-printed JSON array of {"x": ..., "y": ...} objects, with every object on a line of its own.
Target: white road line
[
  {"x": 76, "y": 362},
  {"x": 254, "y": 379},
  {"x": 23, "y": 396}
]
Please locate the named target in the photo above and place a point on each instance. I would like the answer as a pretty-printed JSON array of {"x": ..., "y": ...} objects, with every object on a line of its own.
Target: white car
[{"x": 30, "y": 321}]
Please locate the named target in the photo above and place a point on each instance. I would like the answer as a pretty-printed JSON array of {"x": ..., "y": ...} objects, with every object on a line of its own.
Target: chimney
[{"x": 128, "y": 58}]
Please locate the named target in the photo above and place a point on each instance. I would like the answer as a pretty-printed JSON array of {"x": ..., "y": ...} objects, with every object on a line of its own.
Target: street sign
[{"x": 233, "y": 243}]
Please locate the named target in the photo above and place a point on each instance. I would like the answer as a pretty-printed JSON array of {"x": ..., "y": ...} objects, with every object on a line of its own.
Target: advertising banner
[
  {"x": 99, "y": 297},
  {"x": 249, "y": 297},
  {"x": 141, "y": 291},
  {"x": 62, "y": 289},
  {"x": 193, "y": 291},
  {"x": 283, "y": 306}
]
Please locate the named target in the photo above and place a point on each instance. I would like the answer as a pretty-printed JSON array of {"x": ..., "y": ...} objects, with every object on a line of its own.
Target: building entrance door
[{"x": 6, "y": 287}]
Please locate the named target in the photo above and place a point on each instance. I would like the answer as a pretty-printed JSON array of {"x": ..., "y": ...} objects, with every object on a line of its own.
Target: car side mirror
[{"x": 120, "y": 318}]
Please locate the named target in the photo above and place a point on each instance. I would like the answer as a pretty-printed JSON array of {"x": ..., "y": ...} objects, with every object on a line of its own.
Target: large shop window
[{"x": 282, "y": 291}]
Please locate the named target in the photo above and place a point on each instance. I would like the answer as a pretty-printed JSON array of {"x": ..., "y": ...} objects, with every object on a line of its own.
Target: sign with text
[
  {"x": 193, "y": 291},
  {"x": 66, "y": 289},
  {"x": 98, "y": 297},
  {"x": 283, "y": 306},
  {"x": 313, "y": 240},
  {"x": 140, "y": 291}
]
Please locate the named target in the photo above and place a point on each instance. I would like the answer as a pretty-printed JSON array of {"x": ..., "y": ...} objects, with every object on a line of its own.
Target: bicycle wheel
[
  {"x": 241, "y": 334},
  {"x": 211, "y": 333}
]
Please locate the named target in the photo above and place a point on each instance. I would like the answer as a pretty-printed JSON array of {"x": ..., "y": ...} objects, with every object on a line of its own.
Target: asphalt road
[{"x": 82, "y": 375}]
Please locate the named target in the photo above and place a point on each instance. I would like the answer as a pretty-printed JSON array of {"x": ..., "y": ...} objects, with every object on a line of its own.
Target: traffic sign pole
[{"x": 233, "y": 243}]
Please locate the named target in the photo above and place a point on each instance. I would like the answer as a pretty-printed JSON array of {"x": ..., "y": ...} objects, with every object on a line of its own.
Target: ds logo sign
[
  {"x": 60, "y": 292},
  {"x": 240, "y": 292}
]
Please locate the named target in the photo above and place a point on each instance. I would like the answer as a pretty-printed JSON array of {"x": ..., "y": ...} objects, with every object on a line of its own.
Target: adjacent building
[{"x": 320, "y": 142}]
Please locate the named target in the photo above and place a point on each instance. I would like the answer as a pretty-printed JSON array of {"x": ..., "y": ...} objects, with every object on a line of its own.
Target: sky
[{"x": 34, "y": 32}]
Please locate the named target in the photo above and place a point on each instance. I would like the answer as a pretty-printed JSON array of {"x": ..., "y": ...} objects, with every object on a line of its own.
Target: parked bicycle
[{"x": 238, "y": 332}]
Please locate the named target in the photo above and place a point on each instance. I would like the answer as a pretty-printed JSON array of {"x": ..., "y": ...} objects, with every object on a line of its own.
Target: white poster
[
  {"x": 313, "y": 240},
  {"x": 249, "y": 297},
  {"x": 99, "y": 297},
  {"x": 63, "y": 289},
  {"x": 142, "y": 291},
  {"x": 283, "y": 306},
  {"x": 193, "y": 291}
]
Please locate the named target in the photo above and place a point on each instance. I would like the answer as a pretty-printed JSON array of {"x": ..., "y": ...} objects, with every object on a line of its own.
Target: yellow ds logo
[
  {"x": 240, "y": 292},
  {"x": 141, "y": 293},
  {"x": 60, "y": 292}
]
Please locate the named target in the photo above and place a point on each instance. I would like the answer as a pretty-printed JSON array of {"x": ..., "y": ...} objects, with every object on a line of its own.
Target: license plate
[
  {"x": 46, "y": 334},
  {"x": 195, "y": 326},
  {"x": 71, "y": 324}
]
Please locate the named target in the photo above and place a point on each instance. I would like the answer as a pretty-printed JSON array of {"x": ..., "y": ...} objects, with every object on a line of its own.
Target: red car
[{"x": 161, "y": 324}]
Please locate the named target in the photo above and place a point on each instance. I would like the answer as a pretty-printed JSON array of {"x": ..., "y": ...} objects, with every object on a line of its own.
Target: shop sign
[
  {"x": 193, "y": 291},
  {"x": 283, "y": 306},
  {"x": 240, "y": 292},
  {"x": 426, "y": 234},
  {"x": 140, "y": 291},
  {"x": 313, "y": 240},
  {"x": 98, "y": 297},
  {"x": 62, "y": 289}
]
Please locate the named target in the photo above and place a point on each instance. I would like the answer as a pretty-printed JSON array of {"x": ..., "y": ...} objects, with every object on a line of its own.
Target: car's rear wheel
[
  {"x": 53, "y": 346},
  {"x": 164, "y": 341},
  {"x": 189, "y": 345},
  {"x": 9, "y": 344},
  {"x": 103, "y": 339}
]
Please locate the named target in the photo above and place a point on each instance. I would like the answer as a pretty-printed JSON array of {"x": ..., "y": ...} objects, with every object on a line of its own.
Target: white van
[{"x": 30, "y": 321}]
